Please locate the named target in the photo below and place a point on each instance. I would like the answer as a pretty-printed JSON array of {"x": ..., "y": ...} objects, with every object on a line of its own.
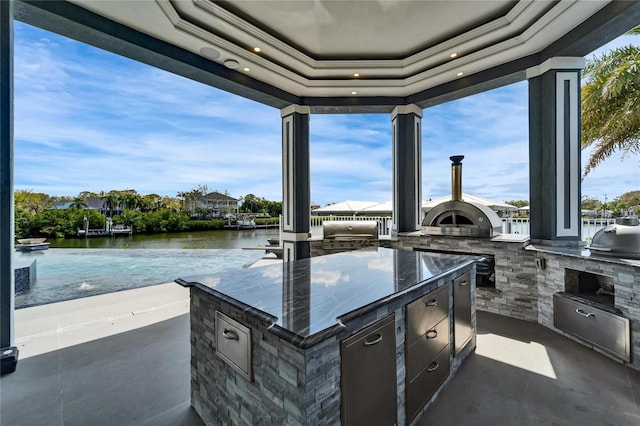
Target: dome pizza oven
[{"x": 459, "y": 218}]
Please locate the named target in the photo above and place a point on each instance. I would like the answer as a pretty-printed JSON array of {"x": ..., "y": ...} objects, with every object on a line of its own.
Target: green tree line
[
  {"x": 152, "y": 213},
  {"x": 627, "y": 203}
]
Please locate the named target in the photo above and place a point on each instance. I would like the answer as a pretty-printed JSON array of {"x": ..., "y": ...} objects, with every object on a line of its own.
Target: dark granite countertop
[
  {"x": 308, "y": 300},
  {"x": 582, "y": 253}
]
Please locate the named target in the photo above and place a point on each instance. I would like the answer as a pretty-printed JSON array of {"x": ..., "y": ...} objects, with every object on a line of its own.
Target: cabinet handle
[
  {"x": 585, "y": 314},
  {"x": 433, "y": 367},
  {"x": 464, "y": 283},
  {"x": 431, "y": 334},
  {"x": 230, "y": 334},
  {"x": 432, "y": 302},
  {"x": 376, "y": 340}
]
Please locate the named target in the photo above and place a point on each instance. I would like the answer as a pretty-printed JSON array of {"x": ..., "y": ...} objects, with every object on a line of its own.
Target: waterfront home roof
[
  {"x": 493, "y": 204},
  {"x": 346, "y": 207},
  {"x": 379, "y": 208},
  {"x": 61, "y": 205},
  {"x": 342, "y": 56},
  {"x": 385, "y": 208},
  {"x": 218, "y": 196},
  {"x": 95, "y": 202},
  {"x": 92, "y": 203}
]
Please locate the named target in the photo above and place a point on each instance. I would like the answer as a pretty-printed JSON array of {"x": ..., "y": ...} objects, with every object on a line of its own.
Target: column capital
[
  {"x": 556, "y": 63},
  {"x": 300, "y": 109},
  {"x": 406, "y": 109}
]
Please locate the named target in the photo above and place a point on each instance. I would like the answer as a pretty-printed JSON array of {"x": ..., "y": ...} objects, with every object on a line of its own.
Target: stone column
[
  {"x": 6, "y": 185},
  {"x": 406, "y": 122},
  {"x": 554, "y": 151},
  {"x": 296, "y": 190}
]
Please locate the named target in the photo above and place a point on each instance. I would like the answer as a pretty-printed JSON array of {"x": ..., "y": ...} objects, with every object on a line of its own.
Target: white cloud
[{"x": 89, "y": 120}]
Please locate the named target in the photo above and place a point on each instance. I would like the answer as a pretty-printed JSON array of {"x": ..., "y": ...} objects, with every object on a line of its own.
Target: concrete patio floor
[{"x": 123, "y": 359}]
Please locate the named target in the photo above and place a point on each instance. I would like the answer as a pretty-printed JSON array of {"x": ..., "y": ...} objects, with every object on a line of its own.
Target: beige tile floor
[
  {"x": 45, "y": 328},
  {"x": 124, "y": 359}
]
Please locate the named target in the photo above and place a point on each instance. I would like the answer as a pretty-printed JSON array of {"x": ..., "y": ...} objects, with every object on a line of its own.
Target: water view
[{"x": 75, "y": 268}]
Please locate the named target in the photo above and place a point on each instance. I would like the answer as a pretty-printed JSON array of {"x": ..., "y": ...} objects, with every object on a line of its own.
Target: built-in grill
[
  {"x": 459, "y": 218},
  {"x": 349, "y": 235},
  {"x": 621, "y": 239}
]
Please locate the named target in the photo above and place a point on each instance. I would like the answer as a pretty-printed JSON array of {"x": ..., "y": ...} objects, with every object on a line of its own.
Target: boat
[
  {"x": 246, "y": 222},
  {"x": 32, "y": 244}
]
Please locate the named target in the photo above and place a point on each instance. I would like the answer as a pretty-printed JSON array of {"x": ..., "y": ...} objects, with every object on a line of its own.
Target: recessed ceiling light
[
  {"x": 356, "y": 74},
  {"x": 209, "y": 52},
  {"x": 232, "y": 64},
  {"x": 247, "y": 69},
  {"x": 354, "y": 93},
  {"x": 453, "y": 55},
  {"x": 257, "y": 49},
  {"x": 460, "y": 74}
]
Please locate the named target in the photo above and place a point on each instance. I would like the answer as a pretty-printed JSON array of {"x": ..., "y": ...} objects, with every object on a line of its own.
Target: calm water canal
[{"x": 74, "y": 268}]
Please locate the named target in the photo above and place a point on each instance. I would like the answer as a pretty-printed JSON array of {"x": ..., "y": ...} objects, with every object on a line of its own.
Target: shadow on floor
[
  {"x": 584, "y": 387},
  {"x": 140, "y": 377}
]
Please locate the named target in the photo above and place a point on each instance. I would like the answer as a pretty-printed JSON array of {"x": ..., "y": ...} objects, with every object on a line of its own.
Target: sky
[{"x": 89, "y": 120}]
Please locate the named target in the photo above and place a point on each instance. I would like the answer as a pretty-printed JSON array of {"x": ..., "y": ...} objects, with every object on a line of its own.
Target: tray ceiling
[{"x": 316, "y": 51}]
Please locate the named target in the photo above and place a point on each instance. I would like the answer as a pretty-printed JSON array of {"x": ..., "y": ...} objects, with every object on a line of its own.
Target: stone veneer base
[
  {"x": 525, "y": 291},
  {"x": 291, "y": 385},
  {"x": 25, "y": 276}
]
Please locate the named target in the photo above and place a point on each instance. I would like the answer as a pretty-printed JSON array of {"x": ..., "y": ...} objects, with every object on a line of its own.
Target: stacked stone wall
[
  {"x": 515, "y": 293},
  {"x": 552, "y": 279},
  {"x": 290, "y": 385}
]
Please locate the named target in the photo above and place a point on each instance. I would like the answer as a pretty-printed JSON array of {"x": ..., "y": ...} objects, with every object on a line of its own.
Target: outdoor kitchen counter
[
  {"x": 561, "y": 270},
  {"x": 330, "y": 291},
  {"x": 582, "y": 253},
  {"x": 296, "y": 315}
]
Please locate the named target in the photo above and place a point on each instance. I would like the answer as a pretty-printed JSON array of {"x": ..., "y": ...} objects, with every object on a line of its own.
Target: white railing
[
  {"x": 511, "y": 225},
  {"x": 384, "y": 222},
  {"x": 514, "y": 225}
]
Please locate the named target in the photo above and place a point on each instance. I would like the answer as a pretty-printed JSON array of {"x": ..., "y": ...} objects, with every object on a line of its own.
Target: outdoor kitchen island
[{"x": 368, "y": 336}]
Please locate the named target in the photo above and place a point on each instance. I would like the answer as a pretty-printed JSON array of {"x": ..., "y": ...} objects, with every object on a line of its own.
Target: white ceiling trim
[{"x": 524, "y": 30}]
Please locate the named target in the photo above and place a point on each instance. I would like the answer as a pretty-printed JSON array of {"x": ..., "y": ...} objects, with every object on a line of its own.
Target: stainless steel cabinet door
[
  {"x": 369, "y": 379},
  {"x": 462, "y": 328}
]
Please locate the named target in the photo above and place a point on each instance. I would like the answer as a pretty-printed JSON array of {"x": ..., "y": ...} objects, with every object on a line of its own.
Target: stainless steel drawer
[
  {"x": 233, "y": 344},
  {"x": 424, "y": 350},
  {"x": 605, "y": 330},
  {"x": 426, "y": 312},
  {"x": 422, "y": 388}
]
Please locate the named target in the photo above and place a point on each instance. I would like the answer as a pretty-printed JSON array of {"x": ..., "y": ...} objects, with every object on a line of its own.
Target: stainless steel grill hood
[
  {"x": 621, "y": 239},
  {"x": 461, "y": 218}
]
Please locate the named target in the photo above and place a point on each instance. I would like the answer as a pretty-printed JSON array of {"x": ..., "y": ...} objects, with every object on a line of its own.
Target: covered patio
[
  {"x": 521, "y": 373},
  {"x": 348, "y": 57}
]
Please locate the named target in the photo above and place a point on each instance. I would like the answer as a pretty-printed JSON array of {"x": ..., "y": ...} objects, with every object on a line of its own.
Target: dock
[
  {"x": 115, "y": 231},
  {"x": 273, "y": 247}
]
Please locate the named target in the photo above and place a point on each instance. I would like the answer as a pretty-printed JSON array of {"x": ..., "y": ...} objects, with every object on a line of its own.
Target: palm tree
[
  {"x": 78, "y": 203},
  {"x": 111, "y": 201},
  {"x": 611, "y": 104}
]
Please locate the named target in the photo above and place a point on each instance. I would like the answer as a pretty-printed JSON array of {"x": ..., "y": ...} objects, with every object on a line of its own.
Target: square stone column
[
  {"x": 406, "y": 122},
  {"x": 554, "y": 151},
  {"x": 296, "y": 189}
]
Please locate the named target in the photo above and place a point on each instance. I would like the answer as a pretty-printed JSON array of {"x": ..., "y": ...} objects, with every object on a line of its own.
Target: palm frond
[{"x": 611, "y": 104}]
